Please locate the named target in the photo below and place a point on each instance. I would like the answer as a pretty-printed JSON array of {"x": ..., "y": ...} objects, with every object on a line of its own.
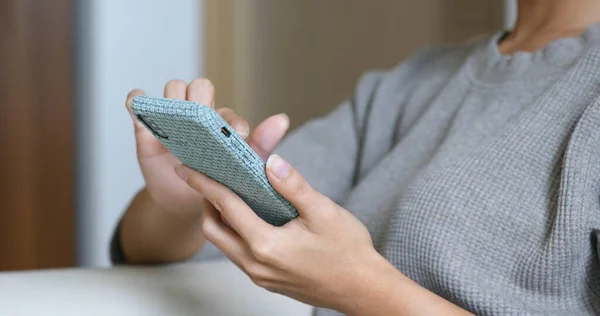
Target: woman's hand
[
  {"x": 157, "y": 163},
  {"x": 311, "y": 259},
  {"x": 325, "y": 257},
  {"x": 162, "y": 224}
]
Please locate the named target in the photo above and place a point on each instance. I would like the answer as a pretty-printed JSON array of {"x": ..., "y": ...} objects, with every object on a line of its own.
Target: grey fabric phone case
[{"x": 203, "y": 141}]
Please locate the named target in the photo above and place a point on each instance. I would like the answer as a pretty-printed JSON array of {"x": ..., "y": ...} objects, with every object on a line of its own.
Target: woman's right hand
[{"x": 164, "y": 187}]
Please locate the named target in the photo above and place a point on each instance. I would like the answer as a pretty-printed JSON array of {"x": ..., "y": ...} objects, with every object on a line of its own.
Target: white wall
[
  {"x": 510, "y": 13},
  {"x": 123, "y": 44}
]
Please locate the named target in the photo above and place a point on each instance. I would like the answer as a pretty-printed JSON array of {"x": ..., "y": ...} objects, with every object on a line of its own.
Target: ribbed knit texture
[{"x": 477, "y": 174}]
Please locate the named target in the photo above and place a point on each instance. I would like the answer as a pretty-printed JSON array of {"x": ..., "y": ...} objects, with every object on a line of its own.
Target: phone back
[{"x": 203, "y": 141}]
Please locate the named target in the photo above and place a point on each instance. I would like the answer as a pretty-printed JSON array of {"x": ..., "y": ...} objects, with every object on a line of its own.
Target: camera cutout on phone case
[{"x": 225, "y": 131}]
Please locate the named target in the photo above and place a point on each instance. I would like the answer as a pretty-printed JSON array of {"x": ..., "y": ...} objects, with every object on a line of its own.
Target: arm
[
  {"x": 327, "y": 150},
  {"x": 162, "y": 223},
  {"x": 383, "y": 290},
  {"x": 325, "y": 257},
  {"x": 151, "y": 234}
]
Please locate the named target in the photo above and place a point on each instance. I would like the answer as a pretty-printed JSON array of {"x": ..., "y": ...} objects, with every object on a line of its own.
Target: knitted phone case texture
[{"x": 194, "y": 134}]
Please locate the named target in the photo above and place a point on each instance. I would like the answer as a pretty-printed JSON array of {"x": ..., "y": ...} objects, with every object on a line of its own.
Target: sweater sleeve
[
  {"x": 334, "y": 152},
  {"x": 326, "y": 151}
]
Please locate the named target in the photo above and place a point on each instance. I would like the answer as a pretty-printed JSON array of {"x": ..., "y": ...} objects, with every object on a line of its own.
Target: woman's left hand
[{"x": 316, "y": 258}]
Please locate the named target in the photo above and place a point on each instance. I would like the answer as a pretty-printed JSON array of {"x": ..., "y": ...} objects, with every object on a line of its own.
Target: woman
[{"x": 466, "y": 180}]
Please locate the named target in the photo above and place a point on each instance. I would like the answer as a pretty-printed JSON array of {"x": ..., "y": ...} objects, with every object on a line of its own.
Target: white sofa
[{"x": 212, "y": 288}]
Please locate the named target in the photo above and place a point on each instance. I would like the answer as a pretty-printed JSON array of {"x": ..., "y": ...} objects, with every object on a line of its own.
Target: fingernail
[
  {"x": 278, "y": 167},
  {"x": 286, "y": 122},
  {"x": 181, "y": 172},
  {"x": 242, "y": 129}
]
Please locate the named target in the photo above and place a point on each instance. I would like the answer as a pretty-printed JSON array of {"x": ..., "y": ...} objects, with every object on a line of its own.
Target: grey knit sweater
[{"x": 477, "y": 174}]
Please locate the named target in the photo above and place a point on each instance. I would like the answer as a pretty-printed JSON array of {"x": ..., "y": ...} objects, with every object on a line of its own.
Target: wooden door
[
  {"x": 37, "y": 153},
  {"x": 303, "y": 57}
]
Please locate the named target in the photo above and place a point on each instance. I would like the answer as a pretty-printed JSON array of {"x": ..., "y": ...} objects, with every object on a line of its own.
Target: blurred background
[{"x": 67, "y": 152}]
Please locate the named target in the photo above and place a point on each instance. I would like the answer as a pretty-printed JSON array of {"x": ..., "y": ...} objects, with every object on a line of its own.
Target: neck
[{"x": 541, "y": 22}]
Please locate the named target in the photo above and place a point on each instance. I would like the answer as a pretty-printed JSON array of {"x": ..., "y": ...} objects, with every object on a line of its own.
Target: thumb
[{"x": 292, "y": 186}]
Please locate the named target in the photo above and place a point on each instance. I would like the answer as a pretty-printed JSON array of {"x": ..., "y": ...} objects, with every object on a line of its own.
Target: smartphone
[{"x": 198, "y": 136}]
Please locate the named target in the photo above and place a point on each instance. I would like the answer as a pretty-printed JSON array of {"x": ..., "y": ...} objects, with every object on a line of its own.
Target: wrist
[
  {"x": 365, "y": 281},
  {"x": 382, "y": 289},
  {"x": 375, "y": 289},
  {"x": 151, "y": 233},
  {"x": 173, "y": 207}
]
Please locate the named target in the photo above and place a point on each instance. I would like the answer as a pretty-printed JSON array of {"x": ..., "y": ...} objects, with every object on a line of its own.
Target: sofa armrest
[{"x": 209, "y": 288}]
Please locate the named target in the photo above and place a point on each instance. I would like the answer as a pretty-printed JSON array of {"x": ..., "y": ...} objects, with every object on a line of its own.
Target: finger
[
  {"x": 201, "y": 91},
  {"x": 292, "y": 186},
  {"x": 146, "y": 144},
  {"x": 240, "y": 125},
  {"x": 132, "y": 94},
  {"x": 223, "y": 237},
  {"x": 240, "y": 217},
  {"x": 175, "y": 89},
  {"x": 268, "y": 134}
]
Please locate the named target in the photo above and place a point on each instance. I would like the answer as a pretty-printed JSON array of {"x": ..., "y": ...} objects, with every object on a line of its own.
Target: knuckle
[
  {"x": 131, "y": 95},
  {"x": 230, "y": 116},
  {"x": 299, "y": 188},
  {"x": 272, "y": 289},
  {"x": 235, "y": 120},
  {"x": 264, "y": 250},
  {"x": 175, "y": 83},
  {"x": 259, "y": 282},
  {"x": 256, "y": 272},
  {"x": 329, "y": 214},
  {"x": 221, "y": 203},
  {"x": 207, "y": 228},
  {"x": 194, "y": 182},
  {"x": 201, "y": 83},
  {"x": 224, "y": 111},
  {"x": 262, "y": 282},
  {"x": 239, "y": 124}
]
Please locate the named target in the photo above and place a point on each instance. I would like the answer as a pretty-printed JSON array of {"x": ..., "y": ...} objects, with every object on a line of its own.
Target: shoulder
[
  {"x": 425, "y": 69},
  {"x": 444, "y": 58},
  {"x": 434, "y": 60},
  {"x": 423, "y": 62}
]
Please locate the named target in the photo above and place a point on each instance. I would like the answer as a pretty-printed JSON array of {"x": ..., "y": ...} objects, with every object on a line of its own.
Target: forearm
[
  {"x": 383, "y": 290},
  {"x": 150, "y": 234}
]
